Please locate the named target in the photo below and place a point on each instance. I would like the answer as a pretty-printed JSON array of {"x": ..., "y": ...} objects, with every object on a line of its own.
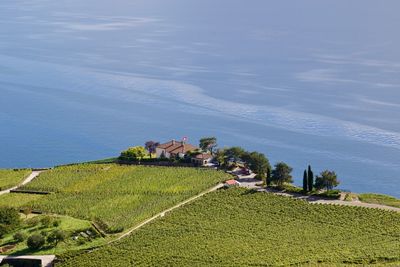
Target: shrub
[
  {"x": 32, "y": 222},
  {"x": 45, "y": 221},
  {"x": 4, "y": 229},
  {"x": 44, "y": 233},
  {"x": 19, "y": 236},
  {"x": 56, "y": 223},
  {"x": 9, "y": 217},
  {"x": 56, "y": 236},
  {"x": 35, "y": 241},
  {"x": 330, "y": 194},
  {"x": 27, "y": 211}
]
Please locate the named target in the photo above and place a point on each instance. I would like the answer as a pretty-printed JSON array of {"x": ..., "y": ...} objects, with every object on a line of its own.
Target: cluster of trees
[
  {"x": 279, "y": 175},
  {"x": 255, "y": 161},
  {"x": 136, "y": 153},
  {"x": 326, "y": 180},
  {"x": 37, "y": 241},
  {"x": 10, "y": 221}
]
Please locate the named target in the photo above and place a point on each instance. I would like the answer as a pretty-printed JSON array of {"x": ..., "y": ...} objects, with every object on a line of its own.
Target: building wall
[{"x": 159, "y": 152}]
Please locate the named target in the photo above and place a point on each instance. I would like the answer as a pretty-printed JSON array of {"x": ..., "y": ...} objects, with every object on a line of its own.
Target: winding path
[{"x": 28, "y": 179}]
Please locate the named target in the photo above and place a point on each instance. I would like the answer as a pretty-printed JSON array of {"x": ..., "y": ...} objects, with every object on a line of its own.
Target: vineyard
[
  {"x": 243, "y": 228},
  {"x": 18, "y": 200},
  {"x": 116, "y": 197},
  {"x": 10, "y": 178}
]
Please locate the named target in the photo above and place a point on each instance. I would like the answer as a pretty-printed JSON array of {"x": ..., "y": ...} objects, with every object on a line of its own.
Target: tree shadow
[{"x": 250, "y": 192}]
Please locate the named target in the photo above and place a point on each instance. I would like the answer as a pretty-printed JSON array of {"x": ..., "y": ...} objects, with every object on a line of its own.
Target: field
[
  {"x": 380, "y": 199},
  {"x": 116, "y": 197},
  {"x": 10, "y": 178},
  {"x": 236, "y": 227}
]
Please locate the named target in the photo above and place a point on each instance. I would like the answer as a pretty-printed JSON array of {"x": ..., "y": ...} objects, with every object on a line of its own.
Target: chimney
[{"x": 173, "y": 142}]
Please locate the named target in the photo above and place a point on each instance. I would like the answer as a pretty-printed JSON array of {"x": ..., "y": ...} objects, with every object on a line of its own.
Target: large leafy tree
[
  {"x": 258, "y": 163},
  {"x": 326, "y": 180},
  {"x": 56, "y": 236},
  {"x": 208, "y": 144},
  {"x": 36, "y": 241},
  {"x": 136, "y": 153},
  {"x": 151, "y": 147},
  {"x": 282, "y": 174},
  {"x": 220, "y": 156}
]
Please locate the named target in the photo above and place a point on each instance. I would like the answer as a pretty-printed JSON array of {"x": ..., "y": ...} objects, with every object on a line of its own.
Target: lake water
[{"x": 301, "y": 81}]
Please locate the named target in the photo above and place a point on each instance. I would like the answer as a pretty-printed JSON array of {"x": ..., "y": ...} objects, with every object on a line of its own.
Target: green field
[
  {"x": 380, "y": 199},
  {"x": 236, "y": 227},
  {"x": 117, "y": 197},
  {"x": 10, "y": 178}
]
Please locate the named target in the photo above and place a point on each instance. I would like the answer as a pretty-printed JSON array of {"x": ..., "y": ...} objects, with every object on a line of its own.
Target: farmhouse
[
  {"x": 202, "y": 159},
  {"x": 174, "y": 149}
]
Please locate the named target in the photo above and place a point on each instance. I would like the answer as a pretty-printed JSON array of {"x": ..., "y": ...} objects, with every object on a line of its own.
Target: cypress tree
[
  {"x": 310, "y": 178},
  {"x": 305, "y": 181},
  {"x": 268, "y": 178}
]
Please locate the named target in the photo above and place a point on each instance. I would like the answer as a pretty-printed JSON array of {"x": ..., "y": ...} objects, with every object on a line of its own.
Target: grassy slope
[
  {"x": 238, "y": 228},
  {"x": 10, "y": 178},
  {"x": 121, "y": 196},
  {"x": 380, "y": 199},
  {"x": 67, "y": 224}
]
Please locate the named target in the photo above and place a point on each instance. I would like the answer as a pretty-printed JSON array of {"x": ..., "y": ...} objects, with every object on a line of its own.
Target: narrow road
[
  {"x": 161, "y": 214},
  {"x": 28, "y": 179},
  {"x": 250, "y": 182},
  {"x": 355, "y": 203}
]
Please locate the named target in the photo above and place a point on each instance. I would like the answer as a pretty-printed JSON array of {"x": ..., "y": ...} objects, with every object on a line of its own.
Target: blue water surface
[{"x": 306, "y": 82}]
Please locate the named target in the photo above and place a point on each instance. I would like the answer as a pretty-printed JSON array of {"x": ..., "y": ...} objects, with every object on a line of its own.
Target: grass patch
[
  {"x": 117, "y": 197},
  {"x": 236, "y": 228},
  {"x": 11, "y": 178},
  {"x": 380, "y": 199}
]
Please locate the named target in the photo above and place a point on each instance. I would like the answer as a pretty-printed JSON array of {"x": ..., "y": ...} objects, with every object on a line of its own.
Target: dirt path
[
  {"x": 28, "y": 179},
  {"x": 356, "y": 203},
  {"x": 250, "y": 182},
  {"x": 161, "y": 214}
]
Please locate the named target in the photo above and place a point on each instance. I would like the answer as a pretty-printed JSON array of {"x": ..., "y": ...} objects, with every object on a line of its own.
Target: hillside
[
  {"x": 241, "y": 228},
  {"x": 116, "y": 197}
]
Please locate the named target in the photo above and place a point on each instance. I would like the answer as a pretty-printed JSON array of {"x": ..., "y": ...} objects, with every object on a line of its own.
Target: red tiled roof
[{"x": 174, "y": 147}]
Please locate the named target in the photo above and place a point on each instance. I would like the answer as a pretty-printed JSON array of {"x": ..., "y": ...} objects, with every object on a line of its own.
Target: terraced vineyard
[
  {"x": 10, "y": 178},
  {"x": 240, "y": 228},
  {"x": 115, "y": 196}
]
